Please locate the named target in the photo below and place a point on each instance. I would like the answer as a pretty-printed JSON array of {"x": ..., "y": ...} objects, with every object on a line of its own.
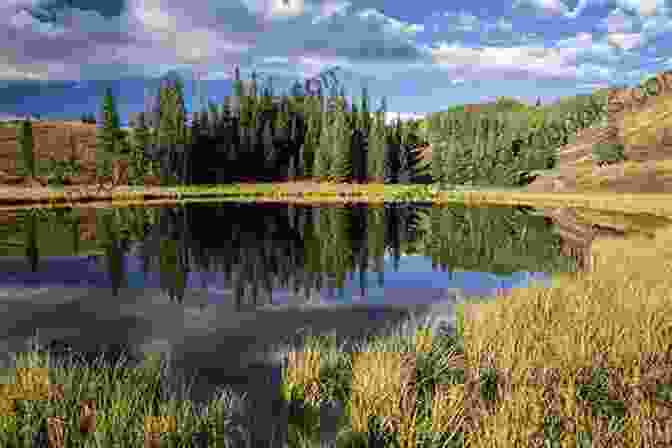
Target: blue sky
[{"x": 424, "y": 55}]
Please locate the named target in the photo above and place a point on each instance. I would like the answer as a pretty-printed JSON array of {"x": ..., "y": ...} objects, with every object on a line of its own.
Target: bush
[
  {"x": 608, "y": 153},
  {"x": 60, "y": 170}
]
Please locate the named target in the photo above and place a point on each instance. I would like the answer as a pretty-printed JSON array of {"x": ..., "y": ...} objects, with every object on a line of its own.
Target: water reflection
[
  {"x": 213, "y": 285},
  {"x": 298, "y": 253}
]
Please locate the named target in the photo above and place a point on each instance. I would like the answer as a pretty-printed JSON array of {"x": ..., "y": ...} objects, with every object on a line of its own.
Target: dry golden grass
[
  {"x": 616, "y": 318},
  {"x": 547, "y": 347},
  {"x": 645, "y": 127},
  {"x": 659, "y": 204},
  {"x": 303, "y": 371},
  {"x": 383, "y": 384}
]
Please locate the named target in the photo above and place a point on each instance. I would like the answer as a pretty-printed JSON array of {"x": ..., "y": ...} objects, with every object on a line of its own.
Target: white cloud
[
  {"x": 390, "y": 24},
  {"x": 330, "y": 9},
  {"x": 275, "y": 60},
  {"x": 504, "y": 25},
  {"x": 553, "y": 7},
  {"x": 592, "y": 86},
  {"x": 276, "y": 9},
  {"x": 626, "y": 41},
  {"x": 391, "y": 117},
  {"x": 461, "y": 21},
  {"x": 498, "y": 63},
  {"x": 24, "y": 20},
  {"x": 642, "y": 7},
  {"x": 616, "y": 22}
]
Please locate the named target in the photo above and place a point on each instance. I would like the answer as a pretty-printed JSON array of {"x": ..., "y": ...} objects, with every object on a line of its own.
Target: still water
[{"x": 214, "y": 285}]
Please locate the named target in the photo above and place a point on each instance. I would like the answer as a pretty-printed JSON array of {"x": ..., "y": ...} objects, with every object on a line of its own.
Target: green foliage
[
  {"x": 109, "y": 136},
  {"x": 103, "y": 166},
  {"x": 139, "y": 165},
  {"x": 26, "y": 145},
  {"x": 377, "y": 149},
  {"x": 608, "y": 153},
  {"x": 59, "y": 170},
  {"x": 341, "y": 169},
  {"x": 323, "y": 153}
]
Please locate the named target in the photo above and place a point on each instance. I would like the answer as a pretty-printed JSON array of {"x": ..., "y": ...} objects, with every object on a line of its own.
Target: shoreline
[{"x": 16, "y": 198}]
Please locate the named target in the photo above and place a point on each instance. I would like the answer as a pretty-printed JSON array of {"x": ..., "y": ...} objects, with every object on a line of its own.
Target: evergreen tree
[
  {"x": 365, "y": 115},
  {"x": 323, "y": 152},
  {"x": 376, "y": 150},
  {"x": 27, "y": 148},
  {"x": 141, "y": 141},
  {"x": 341, "y": 168},
  {"x": 310, "y": 143},
  {"x": 110, "y": 133}
]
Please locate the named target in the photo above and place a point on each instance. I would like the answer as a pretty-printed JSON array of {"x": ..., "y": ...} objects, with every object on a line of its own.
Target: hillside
[
  {"x": 58, "y": 139},
  {"x": 643, "y": 124}
]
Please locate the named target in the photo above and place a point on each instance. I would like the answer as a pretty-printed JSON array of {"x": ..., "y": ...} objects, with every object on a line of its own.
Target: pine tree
[
  {"x": 141, "y": 141},
  {"x": 110, "y": 133},
  {"x": 376, "y": 150},
  {"x": 27, "y": 148},
  {"x": 341, "y": 168},
  {"x": 307, "y": 150},
  {"x": 365, "y": 115},
  {"x": 171, "y": 133},
  {"x": 322, "y": 164}
]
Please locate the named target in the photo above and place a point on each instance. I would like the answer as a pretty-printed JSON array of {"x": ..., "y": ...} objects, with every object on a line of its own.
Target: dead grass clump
[
  {"x": 383, "y": 384},
  {"x": 615, "y": 320},
  {"x": 303, "y": 372}
]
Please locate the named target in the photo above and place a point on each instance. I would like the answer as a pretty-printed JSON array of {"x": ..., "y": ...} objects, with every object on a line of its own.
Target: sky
[{"x": 58, "y": 56}]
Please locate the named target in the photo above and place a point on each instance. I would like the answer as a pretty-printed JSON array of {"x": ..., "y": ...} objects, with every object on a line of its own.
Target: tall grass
[{"x": 585, "y": 361}]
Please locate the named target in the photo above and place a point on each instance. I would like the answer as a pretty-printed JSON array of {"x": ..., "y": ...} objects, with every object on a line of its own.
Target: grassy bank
[
  {"x": 586, "y": 360},
  {"x": 330, "y": 193}
]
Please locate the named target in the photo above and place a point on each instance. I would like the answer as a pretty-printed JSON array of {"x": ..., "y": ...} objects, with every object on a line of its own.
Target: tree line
[
  {"x": 504, "y": 145},
  {"x": 255, "y": 134},
  {"x": 315, "y": 131}
]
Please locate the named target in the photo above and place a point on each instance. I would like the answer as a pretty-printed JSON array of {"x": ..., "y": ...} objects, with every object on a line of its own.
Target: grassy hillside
[{"x": 645, "y": 132}]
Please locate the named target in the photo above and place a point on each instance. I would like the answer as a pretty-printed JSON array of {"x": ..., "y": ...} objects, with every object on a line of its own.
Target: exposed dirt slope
[{"x": 58, "y": 139}]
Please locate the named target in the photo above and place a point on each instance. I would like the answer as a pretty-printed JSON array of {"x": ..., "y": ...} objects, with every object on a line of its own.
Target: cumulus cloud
[
  {"x": 391, "y": 117},
  {"x": 301, "y": 38},
  {"x": 551, "y": 7},
  {"x": 625, "y": 41},
  {"x": 491, "y": 63},
  {"x": 616, "y": 22},
  {"x": 462, "y": 21},
  {"x": 642, "y": 7}
]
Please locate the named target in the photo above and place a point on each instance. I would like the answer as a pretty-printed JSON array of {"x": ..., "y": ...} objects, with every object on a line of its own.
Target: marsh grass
[
  {"x": 659, "y": 204},
  {"x": 585, "y": 362},
  {"x": 130, "y": 404}
]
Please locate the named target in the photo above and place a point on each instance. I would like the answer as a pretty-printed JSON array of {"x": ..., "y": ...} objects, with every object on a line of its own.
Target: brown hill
[
  {"x": 643, "y": 124},
  {"x": 60, "y": 140}
]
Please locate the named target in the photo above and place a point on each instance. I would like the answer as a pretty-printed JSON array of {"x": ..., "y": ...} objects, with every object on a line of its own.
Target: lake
[{"x": 213, "y": 286}]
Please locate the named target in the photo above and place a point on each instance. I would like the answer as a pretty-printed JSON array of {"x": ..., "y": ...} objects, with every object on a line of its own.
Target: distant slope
[
  {"x": 643, "y": 127},
  {"x": 58, "y": 139},
  {"x": 51, "y": 137}
]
